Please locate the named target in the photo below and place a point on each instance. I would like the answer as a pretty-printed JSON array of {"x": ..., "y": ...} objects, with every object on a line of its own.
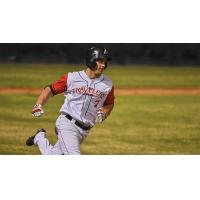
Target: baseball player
[{"x": 89, "y": 99}]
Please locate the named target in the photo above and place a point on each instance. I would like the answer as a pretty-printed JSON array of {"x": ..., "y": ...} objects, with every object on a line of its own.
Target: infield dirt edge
[{"x": 118, "y": 91}]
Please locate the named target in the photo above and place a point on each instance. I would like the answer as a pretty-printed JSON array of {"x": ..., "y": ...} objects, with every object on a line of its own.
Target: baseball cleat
[{"x": 30, "y": 140}]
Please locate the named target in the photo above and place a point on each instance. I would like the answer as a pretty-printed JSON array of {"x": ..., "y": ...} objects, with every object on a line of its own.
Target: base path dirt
[
  {"x": 157, "y": 91},
  {"x": 118, "y": 91}
]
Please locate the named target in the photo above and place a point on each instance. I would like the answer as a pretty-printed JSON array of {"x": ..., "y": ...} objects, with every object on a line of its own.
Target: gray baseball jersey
[{"x": 84, "y": 96}]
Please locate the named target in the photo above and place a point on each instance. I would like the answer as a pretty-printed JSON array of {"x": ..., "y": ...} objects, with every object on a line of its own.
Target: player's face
[{"x": 101, "y": 64}]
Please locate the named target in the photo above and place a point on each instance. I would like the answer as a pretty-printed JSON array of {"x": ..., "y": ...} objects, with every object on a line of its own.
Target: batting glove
[
  {"x": 101, "y": 116},
  {"x": 37, "y": 110}
]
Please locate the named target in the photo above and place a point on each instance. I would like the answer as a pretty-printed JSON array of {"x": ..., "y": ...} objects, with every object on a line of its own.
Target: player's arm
[
  {"x": 107, "y": 108},
  {"x": 37, "y": 110},
  {"x": 44, "y": 96},
  {"x": 55, "y": 88}
]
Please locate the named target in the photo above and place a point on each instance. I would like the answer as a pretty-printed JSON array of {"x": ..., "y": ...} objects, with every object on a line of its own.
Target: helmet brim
[{"x": 107, "y": 59}]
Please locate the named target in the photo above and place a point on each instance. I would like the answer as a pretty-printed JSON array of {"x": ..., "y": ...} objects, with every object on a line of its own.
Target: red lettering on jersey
[
  {"x": 97, "y": 93},
  {"x": 91, "y": 90},
  {"x": 88, "y": 91},
  {"x": 82, "y": 90}
]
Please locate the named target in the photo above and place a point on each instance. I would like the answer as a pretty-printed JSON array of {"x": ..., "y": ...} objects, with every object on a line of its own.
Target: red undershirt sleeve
[
  {"x": 59, "y": 86},
  {"x": 110, "y": 98}
]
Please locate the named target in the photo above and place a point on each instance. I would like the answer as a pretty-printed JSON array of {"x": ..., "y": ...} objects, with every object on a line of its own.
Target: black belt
[{"x": 86, "y": 128}]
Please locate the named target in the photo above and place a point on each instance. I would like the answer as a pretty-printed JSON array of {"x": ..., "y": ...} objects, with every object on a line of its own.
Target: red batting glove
[
  {"x": 37, "y": 110},
  {"x": 101, "y": 116}
]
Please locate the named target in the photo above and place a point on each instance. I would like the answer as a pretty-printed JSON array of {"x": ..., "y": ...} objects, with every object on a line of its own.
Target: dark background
[{"x": 171, "y": 54}]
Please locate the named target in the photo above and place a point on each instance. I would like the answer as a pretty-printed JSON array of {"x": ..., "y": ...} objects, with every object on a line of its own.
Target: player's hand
[
  {"x": 101, "y": 116},
  {"x": 37, "y": 110}
]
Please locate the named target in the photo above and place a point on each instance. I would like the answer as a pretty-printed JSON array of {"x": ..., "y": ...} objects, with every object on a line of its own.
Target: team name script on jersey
[{"x": 88, "y": 91}]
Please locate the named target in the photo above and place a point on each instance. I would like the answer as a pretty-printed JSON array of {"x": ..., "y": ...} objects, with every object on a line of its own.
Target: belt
[{"x": 79, "y": 124}]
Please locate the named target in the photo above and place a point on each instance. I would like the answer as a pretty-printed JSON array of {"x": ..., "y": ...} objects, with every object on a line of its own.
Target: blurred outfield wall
[{"x": 123, "y": 53}]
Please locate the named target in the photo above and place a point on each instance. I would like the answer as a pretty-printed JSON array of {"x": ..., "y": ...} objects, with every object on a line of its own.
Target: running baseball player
[{"x": 89, "y": 99}]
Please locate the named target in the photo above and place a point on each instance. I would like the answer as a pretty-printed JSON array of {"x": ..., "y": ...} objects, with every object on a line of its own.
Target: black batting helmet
[{"x": 93, "y": 54}]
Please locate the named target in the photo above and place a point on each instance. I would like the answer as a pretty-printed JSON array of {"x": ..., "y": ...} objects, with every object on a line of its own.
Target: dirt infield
[
  {"x": 118, "y": 91},
  {"x": 157, "y": 91}
]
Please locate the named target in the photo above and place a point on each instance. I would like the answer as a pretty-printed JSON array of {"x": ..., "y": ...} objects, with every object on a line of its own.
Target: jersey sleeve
[
  {"x": 110, "y": 98},
  {"x": 59, "y": 86}
]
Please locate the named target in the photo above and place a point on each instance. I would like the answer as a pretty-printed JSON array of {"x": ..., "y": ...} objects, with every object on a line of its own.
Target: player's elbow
[
  {"x": 48, "y": 91},
  {"x": 109, "y": 108}
]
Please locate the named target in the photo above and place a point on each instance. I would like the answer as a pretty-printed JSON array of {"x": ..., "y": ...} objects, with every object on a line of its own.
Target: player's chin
[{"x": 99, "y": 72}]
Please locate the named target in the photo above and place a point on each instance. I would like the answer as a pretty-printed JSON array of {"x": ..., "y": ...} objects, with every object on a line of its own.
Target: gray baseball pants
[{"x": 70, "y": 136}]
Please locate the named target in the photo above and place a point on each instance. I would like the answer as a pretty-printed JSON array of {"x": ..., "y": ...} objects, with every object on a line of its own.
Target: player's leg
[
  {"x": 69, "y": 142},
  {"x": 45, "y": 147},
  {"x": 68, "y": 136}
]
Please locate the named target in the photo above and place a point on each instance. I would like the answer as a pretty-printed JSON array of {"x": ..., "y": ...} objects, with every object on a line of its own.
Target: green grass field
[
  {"x": 138, "y": 124},
  {"x": 32, "y": 75}
]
